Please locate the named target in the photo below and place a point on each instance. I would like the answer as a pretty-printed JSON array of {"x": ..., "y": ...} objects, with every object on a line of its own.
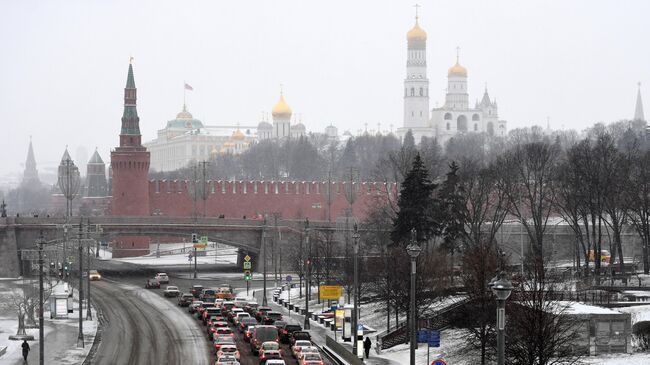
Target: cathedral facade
[{"x": 456, "y": 116}]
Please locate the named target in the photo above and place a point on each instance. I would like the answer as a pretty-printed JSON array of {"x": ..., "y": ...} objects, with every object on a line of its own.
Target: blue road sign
[
  {"x": 289, "y": 278},
  {"x": 432, "y": 337},
  {"x": 438, "y": 362}
]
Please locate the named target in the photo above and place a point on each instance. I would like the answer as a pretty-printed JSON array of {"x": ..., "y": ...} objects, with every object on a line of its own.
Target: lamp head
[{"x": 501, "y": 287}]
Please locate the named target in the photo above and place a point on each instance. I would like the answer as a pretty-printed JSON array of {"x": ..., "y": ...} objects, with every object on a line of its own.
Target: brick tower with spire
[
  {"x": 130, "y": 180},
  {"x": 130, "y": 161}
]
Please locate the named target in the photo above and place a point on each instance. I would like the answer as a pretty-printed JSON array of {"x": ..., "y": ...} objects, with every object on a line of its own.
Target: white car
[
  {"x": 310, "y": 358},
  {"x": 299, "y": 345},
  {"x": 275, "y": 362},
  {"x": 162, "y": 278},
  {"x": 239, "y": 316},
  {"x": 171, "y": 291}
]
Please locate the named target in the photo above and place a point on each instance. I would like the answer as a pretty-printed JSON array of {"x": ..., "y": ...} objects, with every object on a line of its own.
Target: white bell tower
[{"x": 416, "y": 84}]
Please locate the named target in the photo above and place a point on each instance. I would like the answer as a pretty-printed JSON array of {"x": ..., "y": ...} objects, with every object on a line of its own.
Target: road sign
[
  {"x": 247, "y": 265},
  {"x": 438, "y": 362},
  {"x": 71, "y": 259},
  {"x": 33, "y": 254},
  {"x": 204, "y": 239},
  {"x": 247, "y": 258},
  {"x": 330, "y": 292},
  {"x": 432, "y": 337},
  {"x": 289, "y": 278},
  {"x": 189, "y": 257},
  {"x": 200, "y": 245}
]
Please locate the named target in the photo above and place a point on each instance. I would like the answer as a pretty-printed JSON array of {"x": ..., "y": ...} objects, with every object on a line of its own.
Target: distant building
[
  {"x": 638, "y": 108},
  {"x": 185, "y": 139},
  {"x": 96, "y": 183},
  {"x": 30, "y": 175},
  {"x": 455, "y": 116}
]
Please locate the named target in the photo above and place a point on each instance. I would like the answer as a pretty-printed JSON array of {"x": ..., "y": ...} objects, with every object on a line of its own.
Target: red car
[
  {"x": 185, "y": 300},
  {"x": 152, "y": 284}
]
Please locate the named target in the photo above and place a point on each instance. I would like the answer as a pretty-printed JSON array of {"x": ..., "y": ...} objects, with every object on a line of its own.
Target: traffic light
[
  {"x": 247, "y": 275},
  {"x": 195, "y": 238},
  {"x": 66, "y": 269}
]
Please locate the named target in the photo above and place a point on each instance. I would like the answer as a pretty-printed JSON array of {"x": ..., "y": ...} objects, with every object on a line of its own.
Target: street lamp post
[
  {"x": 89, "y": 315},
  {"x": 501, "y": 288},
  {"x": 355, "y": 312},
  {"x": 307, "y": 325},
  {"x": 80, "y": 338},
  {"x": 413, "y": 249},
  {"x": 264, "y": 299},
  {"x": 41, "y": 322}
]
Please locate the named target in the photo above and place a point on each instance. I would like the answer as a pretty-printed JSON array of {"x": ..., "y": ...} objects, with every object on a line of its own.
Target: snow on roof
[
  {"x": 639, "y": 312},
  {"x": 581, "y": 308}
]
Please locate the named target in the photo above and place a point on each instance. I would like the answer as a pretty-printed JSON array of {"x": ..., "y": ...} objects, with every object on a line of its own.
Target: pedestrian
[
  {"x": 367, "y": 344},
  {"x": 25, "y": 347}
]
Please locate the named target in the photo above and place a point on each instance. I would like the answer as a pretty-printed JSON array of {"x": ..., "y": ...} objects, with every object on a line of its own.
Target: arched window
[
  {"x": 421, "y": 92},
  {"x": 461, "y": 123},
  {"x": 490, "y": 128},
  {"x": 475, "y": 127},
  {"x": 412, "y": 91},
  {"x": 448, "y": 126},
  {"x": 475, "y": 118},
  {"x": 447, "y": 116}
]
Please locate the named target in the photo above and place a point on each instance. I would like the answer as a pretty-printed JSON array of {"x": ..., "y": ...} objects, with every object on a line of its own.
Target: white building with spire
[{"x": 455, "y": 116}]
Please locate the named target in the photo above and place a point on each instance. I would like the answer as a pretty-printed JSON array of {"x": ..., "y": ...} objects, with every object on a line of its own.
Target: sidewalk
[{"x": 60, "y": 339}]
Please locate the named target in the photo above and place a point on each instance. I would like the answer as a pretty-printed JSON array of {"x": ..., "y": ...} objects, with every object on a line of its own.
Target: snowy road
[{"x": 144, "y": 328}]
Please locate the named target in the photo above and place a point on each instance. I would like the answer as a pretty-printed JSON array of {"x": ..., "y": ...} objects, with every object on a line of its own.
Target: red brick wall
[
  {"x": 237, "y": 199},
  {"x": 130, "y": 183}
]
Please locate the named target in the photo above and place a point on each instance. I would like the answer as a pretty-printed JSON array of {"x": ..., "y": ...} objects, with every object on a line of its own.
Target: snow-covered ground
[
  {"x": 60, "y": 334},
  {"x": 225, "y": 255}
]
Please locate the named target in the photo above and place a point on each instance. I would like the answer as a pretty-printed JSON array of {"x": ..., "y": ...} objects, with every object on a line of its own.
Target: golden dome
[
  {"x": 416, "y": 33},
  {"x": 457, "y": 70},
  {"x": 281, "y": 109},
  {"x": 229, "y": 144},
  {"x": 238, "y": 135},
  {"x": 184, "y": 114}
]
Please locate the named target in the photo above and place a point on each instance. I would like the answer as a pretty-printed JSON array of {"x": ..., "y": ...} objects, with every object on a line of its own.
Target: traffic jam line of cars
[{"x": 261, "y": 328}]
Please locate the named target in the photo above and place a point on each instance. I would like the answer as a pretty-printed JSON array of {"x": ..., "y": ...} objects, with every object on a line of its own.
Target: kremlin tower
[{"x": 130, "y": 161}]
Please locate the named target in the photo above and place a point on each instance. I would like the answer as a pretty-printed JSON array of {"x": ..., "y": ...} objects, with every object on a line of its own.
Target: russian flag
[{"x": 188, "y": 87}]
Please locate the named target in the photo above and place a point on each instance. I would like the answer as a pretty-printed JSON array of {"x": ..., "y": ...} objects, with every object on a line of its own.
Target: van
[{"x": 262, "y": 334}]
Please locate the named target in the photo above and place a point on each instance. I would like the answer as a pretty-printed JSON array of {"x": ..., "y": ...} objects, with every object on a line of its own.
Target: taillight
[
  {"x": 286, "y": 332},
  {"x": 298, "y": 348}
]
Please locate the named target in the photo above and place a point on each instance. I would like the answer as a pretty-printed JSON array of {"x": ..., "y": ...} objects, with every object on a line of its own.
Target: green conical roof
[
  {"x": 96, "y": 158},
  {"x": 130, "y": 81}
]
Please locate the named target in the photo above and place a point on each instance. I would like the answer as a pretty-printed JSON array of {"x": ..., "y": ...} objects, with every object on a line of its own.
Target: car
[
  {"x": 185, "y": 299},
  {"x": 227, "y": 305},
  {"x": 239, "y": 317},
  {"x": 248, "y": 333},
  {"x": 279, "y": 325},
  {"x": 152, "y": 284},
  {"x": 230, "y": 350},
  {"x": 194, "y": 306},
  {"x": 196, "y": 290},
  {"x": 270, "y": 345},
  {"x": 162, "y": 278},
  {"x": 251, "y": 308},
  {"x": 201, "y": 309},
  {"x": 269, "y": 355},
  {"x": 240, "y": 303},
  {"x": 227, "y": 360},
  {"x": 275, "y": 362},
  {"x": 210, "y": 312},
  {"x": 299, "y": 335},
  {"x": 310, "y": 359},
  {"x": 212, "y": 329},
  {"x": 244, "y": 323},
  {"x": 224, "y": 292},
  {"x": 287, "y": 330},
  {"x": 297, "y": 347},
  {"x": 262, "y": 334},
  {"x": 223, "y": 341},
  {"x": 261, "y": 312},
  {"x": 271, "y": 317},
  {"x": 232, "y": 313},
  {"x": 208, "y": 294},
  {"x": 94, "y": 275},
  {"x": 299, "y": 350},
  {"x": 171, "y": 291},
  {"x": 222, "y": 331}
]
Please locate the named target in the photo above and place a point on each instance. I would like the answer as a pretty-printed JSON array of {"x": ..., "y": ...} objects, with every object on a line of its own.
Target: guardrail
[{"x": 342, "y": 352}]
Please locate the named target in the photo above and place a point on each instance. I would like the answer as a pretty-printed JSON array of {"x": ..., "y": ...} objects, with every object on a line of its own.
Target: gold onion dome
[
  {"x": 457, "y": 70},
  {"x": 416, "y": 33},
  {"x": 281, "y": 109},
  {"x": 184, "y": 114},
  {"x": 238, "y": 135}
]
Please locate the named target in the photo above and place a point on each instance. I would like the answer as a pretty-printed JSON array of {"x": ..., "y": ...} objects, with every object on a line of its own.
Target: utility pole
[
  {"x": 80, "y": 338},
  {"x": 194, "y": 242},
  {"x": 307, "y": 325},
  {"x": 41, "y": 322},
  {"x": 204, "y": 194},
  {"x": 355, "y": 313}
]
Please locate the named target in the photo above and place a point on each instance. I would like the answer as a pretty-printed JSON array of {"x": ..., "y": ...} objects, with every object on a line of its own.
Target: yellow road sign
[
  {"x": 330, "y": 292},
  {"x": 247, "y": 258}
]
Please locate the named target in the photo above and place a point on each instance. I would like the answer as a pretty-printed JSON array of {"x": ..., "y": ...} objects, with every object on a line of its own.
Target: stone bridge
[{"x": 17, "y": 233}]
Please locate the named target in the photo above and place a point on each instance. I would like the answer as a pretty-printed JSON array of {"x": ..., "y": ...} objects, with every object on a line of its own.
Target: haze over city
[{"x": 339, "y": 62}]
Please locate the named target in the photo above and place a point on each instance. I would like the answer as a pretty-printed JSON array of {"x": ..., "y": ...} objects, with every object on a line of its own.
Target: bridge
[{"x": 17, "y": 233}]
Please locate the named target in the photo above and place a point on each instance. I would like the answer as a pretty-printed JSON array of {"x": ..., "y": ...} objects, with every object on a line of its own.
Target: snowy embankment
[{"x": 225, "y": 255}]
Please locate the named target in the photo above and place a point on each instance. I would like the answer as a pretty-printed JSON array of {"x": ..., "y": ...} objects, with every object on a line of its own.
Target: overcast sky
[{"x": 63, "y": 64}]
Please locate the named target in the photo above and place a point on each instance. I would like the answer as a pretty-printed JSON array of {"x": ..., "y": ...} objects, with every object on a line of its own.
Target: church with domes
[{"x": 455, "y": 116}]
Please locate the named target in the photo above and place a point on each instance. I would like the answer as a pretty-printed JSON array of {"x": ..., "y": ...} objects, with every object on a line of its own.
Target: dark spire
[
  {"x": 130, "y": 132},
  {"x": 30, "y": 174}
]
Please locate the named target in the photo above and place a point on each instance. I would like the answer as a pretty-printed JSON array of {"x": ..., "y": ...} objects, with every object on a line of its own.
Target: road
[{"x": 143, "y": 327}]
